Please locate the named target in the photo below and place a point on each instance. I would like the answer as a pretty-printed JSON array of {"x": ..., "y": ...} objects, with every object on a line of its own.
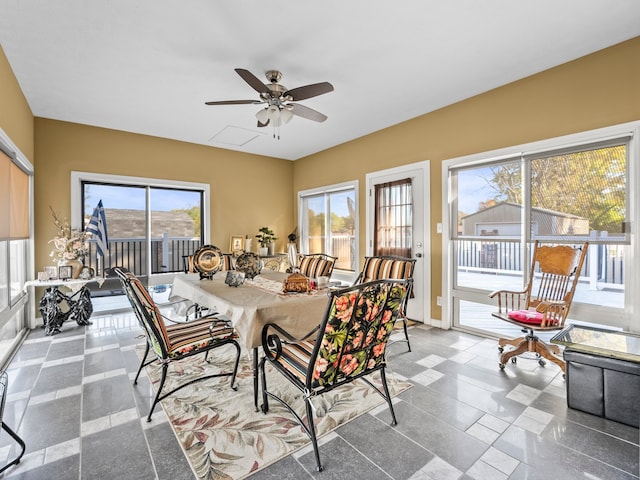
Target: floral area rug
[{"x": 224, "y": 437}]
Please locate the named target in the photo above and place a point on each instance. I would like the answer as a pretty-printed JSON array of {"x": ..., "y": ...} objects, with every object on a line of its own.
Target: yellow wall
[
  {"x": 15, "y": 115},
  {"x": 595, "y": 91},
  {"x": 247, "y": 191}
]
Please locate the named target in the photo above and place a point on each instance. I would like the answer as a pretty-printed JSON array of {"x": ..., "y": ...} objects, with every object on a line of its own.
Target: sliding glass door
[
  {"x": 150, "y": 229},
  {"x": 570, "y": 195},
  {"x": 151, "y": 223}
]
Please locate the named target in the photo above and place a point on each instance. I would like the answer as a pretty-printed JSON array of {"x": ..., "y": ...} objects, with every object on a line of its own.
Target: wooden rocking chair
[{"x": 544, "y": 304}]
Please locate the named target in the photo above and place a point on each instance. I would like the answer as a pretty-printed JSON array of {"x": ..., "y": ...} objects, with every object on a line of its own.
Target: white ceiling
[{"x": 148, "y": 66}]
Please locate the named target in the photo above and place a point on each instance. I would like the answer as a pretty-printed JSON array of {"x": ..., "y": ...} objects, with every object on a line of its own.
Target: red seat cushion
[{"x": 526, "y": 316}]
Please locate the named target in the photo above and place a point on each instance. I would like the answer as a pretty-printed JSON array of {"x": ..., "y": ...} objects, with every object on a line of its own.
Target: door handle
[{"x": 418, "y": 255}]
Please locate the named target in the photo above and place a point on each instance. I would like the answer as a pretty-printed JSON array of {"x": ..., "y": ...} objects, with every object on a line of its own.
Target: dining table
[{"x": 253, "y": 305}]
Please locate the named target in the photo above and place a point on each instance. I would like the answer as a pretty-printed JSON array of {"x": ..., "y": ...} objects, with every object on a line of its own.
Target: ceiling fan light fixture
[
  {"x": 286, "y": 114},
  {"x": 263, "y": 115},
  {"x": 273, "y": 113}
]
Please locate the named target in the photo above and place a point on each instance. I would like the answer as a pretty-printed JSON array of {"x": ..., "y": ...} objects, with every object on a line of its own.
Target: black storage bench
[{"x": 603, "y": 386}]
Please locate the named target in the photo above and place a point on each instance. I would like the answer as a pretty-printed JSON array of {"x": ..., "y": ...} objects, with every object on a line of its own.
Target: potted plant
[{"x": 266, "y": 237}]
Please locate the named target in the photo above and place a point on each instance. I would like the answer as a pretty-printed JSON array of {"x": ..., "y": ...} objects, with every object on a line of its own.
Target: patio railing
[
  {"x": 342, "y": 246},
  {"x": 603, "y": 268},
  {"x": 131, "y": 253}
]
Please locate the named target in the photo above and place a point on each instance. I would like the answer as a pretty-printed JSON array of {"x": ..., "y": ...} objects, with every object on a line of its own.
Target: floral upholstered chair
[
  {"x": 394, "y": 267},
  {"x": 171, "y": 343},
  {"x": 349, "y": 344}
]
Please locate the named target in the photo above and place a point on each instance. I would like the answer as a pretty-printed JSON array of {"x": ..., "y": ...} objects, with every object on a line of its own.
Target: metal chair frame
[
  {"x": 356, "y": 326},
  {"x": 411, "y": 263},
  {"x": 321, "y": 256},
  {"x": 145, "y": 309},
  {"x": 4, "y": 385}
]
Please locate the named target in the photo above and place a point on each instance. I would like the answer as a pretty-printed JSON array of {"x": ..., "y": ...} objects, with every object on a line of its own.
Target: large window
[
  {"x": 328, "y": 223},
  {"x": 16, "y": 250},
  {"x": 151, "y": 224},
  {"x": 557, "y": 193}
]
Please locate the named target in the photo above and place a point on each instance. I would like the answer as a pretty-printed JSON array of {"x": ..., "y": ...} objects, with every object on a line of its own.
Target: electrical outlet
[{"x": 439, "y": 301}]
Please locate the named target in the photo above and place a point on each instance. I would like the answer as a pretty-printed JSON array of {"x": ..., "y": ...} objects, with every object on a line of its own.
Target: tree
[
  {"x": 316, "y": 223},
  {"x": 590, "y": 184},
  {"x": 194, "y": 213}
]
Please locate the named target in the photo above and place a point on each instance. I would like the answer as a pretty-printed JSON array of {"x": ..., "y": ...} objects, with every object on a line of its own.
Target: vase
[
  {"x": 234, "y": 278},
  {"x": 263, "y": 251},
  {"x": 271, "y": 248},
  {"x": 76, "y": 266}
]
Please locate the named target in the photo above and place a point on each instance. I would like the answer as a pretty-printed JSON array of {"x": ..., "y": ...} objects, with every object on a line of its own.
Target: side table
[{"x": 56, "y": 307}]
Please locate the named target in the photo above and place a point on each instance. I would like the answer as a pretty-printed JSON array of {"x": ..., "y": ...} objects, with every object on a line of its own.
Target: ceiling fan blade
[
  {"x": 308, "y": 91},
  {"x": 308, "y": 113},
  {"x": 253, "y": 81},
  {"x": 234, "y": 102}
]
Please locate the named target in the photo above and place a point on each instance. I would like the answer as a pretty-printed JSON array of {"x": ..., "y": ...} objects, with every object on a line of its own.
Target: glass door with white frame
[
  {"x": 559, "y": 196},
  {"x": 150, "y": 228},
  {"x": 397, "y": 224}
]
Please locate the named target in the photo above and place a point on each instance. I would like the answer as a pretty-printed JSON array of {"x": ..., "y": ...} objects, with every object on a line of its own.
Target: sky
[
  {"x": 473, "y": 189},
  {"x": 133, "y": 198}
]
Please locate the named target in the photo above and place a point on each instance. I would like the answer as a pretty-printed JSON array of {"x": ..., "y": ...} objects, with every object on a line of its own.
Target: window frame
[
  {"x": 338, "y": 274},
  {"x": 628, "y": 132},
  {"x": 18, "y": 308},
  {"x": 79, "y": 178}
]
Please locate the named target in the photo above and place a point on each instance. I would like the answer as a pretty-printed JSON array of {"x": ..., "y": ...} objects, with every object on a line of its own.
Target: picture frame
[
  {"x": 237, "y": 244},
  {"x": 65, "y": 272},
  {"x": 51, "y": 272}
]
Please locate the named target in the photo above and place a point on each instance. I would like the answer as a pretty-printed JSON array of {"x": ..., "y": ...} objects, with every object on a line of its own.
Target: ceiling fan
[{"x": 280, "y": 106}]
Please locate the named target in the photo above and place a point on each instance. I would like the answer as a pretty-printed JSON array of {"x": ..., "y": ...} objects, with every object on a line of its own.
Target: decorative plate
[
  {"x": 249, "y": 263},
  {"x": 207, "y": 260}
]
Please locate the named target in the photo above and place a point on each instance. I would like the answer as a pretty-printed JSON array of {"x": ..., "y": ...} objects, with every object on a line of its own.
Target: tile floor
[{"x": 71, "y": 399}]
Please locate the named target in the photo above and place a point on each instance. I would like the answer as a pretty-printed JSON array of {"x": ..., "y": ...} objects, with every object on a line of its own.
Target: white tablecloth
[{"x": 254, "y": 304}]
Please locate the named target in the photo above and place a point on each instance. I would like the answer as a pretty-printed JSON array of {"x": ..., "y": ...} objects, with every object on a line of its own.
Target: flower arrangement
[{"x": 68, "y": 244}]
